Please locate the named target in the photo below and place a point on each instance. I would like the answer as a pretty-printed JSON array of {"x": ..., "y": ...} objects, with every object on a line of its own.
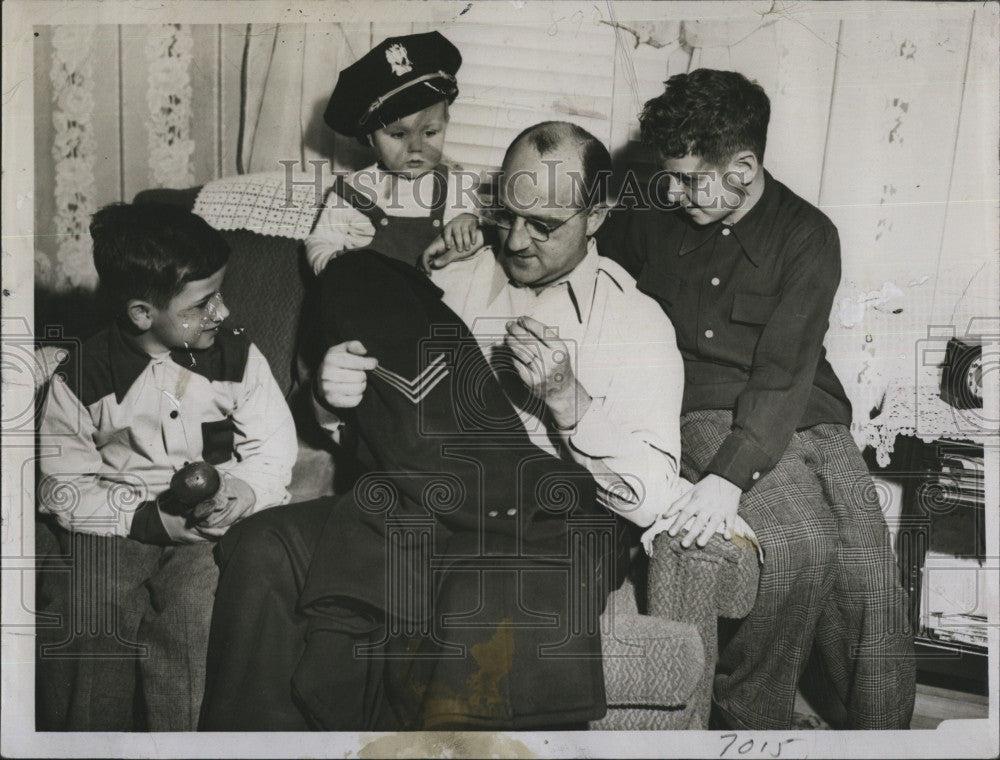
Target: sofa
[{"x": 659, "y": 630}]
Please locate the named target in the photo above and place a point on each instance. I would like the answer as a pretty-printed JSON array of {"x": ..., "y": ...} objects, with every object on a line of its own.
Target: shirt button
[
  {"x": 174, "y": 414},
  {"x": 756, "y": 476},
  {"x": 726, "y": 230},
  {"x": 709, "y": 334},
  {"x": 511, "y": 512},
  {"x": 384, "y": 221},
  {"x": 492, "y": 513},
  {"x": 716, "y": 281},
  {"x": 436, "y": 222}
]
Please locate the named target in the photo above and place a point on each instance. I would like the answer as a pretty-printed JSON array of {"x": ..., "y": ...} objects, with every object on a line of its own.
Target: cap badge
[{"x": 398, "y": 59}]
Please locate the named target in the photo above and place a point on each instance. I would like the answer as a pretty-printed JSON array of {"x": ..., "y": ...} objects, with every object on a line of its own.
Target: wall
[{"x": 886, "y": 118}]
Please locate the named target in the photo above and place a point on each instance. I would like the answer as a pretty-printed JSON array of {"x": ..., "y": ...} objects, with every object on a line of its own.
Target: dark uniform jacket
[{"x": 462, "y": 515}]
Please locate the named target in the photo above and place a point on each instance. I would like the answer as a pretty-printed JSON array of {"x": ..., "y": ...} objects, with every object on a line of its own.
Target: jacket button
[
  {"x": 756, "y": 476},
  {"x": 716, "y": 281},
  {"x": 726, "y": 230},
  {"x": 174, "y": 414},
  {"x": 492, "y": 513},
  {"x": 709, "y": 334},
  {"x": 511, "y": 512},
  {"x": 436, "y": 223},
  {"x": 384, "y": 221}
]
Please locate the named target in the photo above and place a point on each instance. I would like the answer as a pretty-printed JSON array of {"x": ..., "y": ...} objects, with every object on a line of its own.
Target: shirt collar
[
  {"x": 579, "y": 284},
  {"x": 750, "y": 231},
  {"x": 225, "y": 360}
]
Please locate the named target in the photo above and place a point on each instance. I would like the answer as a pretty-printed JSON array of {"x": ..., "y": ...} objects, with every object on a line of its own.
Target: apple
[{"x": 194, "y": 483}]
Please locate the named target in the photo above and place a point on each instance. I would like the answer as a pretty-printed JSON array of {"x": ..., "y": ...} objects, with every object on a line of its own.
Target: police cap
[{"x": 398, "y": 77}]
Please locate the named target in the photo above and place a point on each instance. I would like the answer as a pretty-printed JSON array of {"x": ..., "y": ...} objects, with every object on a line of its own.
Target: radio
[{"x": 962, "y": 375}]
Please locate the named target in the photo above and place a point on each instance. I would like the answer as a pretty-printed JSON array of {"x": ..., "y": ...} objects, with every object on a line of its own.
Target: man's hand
[
  {"x": 342, "y": 379},
  {"x": 542, "y": 361},
  {"x": 712, "y": 502}
]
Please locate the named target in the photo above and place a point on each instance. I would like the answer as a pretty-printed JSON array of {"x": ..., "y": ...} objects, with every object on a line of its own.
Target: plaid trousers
[
  {"x": 122, "y": 633},
  {"x": 829, "y": 587}
]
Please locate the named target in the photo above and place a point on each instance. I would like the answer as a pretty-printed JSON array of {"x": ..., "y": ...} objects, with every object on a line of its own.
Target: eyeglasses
[{"x": 538, "y": 230}]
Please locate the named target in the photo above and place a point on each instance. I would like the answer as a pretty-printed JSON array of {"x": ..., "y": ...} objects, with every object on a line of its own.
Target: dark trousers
[
  {"x": 122, "y": 629},
  {"x": 829, "y": 587},
  {"x": 259, "y": 637}
]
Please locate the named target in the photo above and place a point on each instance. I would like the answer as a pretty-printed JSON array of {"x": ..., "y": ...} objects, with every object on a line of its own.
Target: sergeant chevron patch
[{"x": 416, "y": 389}]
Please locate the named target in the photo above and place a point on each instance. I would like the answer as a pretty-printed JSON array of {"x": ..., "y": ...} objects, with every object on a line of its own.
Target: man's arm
[
  {"x": 629, "y": 439},
  {"x": 265, "y": 440},
  {"x": 82, "y": 493}
]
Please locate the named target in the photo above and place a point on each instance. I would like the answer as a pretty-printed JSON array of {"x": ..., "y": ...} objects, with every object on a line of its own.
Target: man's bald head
[{"x": 563, "y": 139}]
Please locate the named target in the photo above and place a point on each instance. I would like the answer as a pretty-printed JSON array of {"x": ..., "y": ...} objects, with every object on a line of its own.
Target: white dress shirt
[{"x": 623, "y": 352}]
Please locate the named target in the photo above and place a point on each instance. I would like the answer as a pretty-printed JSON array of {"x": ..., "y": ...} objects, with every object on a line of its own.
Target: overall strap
[
  {"x": 358, "y": 201},
  {"x": 440, "y": 196}
]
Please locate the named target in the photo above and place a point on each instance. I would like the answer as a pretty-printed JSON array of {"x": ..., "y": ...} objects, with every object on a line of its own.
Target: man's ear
[
  {"x": 744, "y": 168},
  {"x": 140, "y": 313},
  {"x": 596, "y": 217}
]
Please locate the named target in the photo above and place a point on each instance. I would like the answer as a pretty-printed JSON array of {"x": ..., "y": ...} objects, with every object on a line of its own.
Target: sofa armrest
[{"x": 719, "y": 580}]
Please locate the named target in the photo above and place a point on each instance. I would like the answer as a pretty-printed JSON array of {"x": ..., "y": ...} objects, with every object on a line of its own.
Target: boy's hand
[
  {"x": 462, "y": 233},
  {"x": 712, "y": 502},
  {"x": 234, "y": 500},
  {"x": 342, "y": 380},
  {"x": 459, "y": 240}
]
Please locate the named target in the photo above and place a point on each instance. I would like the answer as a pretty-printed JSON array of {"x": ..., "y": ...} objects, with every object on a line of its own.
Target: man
[
  {"x": 597, "y": 358},
  {"x": 582, "y": 386},
  {"x": 747, "y": 272}
]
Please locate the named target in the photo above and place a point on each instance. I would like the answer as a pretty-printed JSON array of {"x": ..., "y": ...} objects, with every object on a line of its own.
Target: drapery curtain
[{"x": 288, "y": 72}]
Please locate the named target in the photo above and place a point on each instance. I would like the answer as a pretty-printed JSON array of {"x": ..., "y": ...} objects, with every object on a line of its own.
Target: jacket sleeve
[
  {"x": 266, "y": 443},
  {"x": 77, "y": 488},
  {"x": 784, "y": 363}
]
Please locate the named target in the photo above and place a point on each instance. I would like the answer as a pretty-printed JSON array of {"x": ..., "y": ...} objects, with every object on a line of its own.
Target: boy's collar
[
  {"x": 750, "y": 230},
  {"x": 224, "y": 361}
]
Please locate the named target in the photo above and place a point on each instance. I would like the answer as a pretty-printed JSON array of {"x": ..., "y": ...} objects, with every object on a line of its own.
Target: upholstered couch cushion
[
  {"x": 651, "y": 667},
  {"x": 692, "y": 585}
]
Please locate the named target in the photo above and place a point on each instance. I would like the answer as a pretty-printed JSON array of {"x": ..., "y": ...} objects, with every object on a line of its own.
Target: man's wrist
[{"x": 568, "y": 406}]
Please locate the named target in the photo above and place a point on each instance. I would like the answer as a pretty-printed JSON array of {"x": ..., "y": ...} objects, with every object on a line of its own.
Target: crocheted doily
[
  {"x": 918, "y": 411},
  {"x": 265, "y": 203}
]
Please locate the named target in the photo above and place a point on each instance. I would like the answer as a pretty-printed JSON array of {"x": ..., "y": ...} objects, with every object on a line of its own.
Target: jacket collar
[
  {"x": 225, "y": 360},
  {"x": 750, "y": 231}
]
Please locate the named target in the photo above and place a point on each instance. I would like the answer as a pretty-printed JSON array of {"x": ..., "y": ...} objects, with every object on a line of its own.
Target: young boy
[
  {"x": 747, "y": 271},
  {"x": 162, "y": 386},
  {"x": 395, "y": 100}
]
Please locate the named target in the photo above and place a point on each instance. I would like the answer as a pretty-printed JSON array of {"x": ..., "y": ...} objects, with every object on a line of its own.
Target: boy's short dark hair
[
  {"x": 707, "y": 113},
  {"x": 149, "y": 251}
]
